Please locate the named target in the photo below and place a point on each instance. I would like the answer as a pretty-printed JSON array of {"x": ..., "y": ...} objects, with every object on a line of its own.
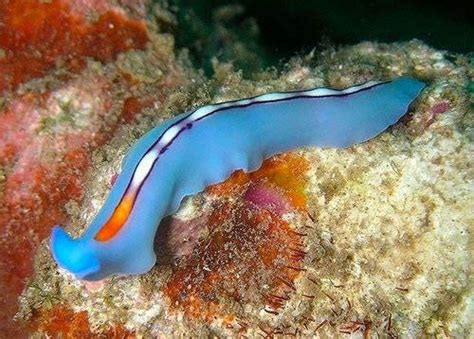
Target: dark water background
[{"x": 278, "y": 29}]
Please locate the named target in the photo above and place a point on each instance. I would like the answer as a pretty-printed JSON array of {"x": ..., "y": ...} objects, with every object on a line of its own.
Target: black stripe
[
  {"x": 189, "y": 125},
  {"x": 258, "y": 102},
  {"x": 221, "y": 109}
]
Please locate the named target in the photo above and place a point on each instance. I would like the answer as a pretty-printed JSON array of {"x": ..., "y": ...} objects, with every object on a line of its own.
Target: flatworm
[{"x": 196, "y": 149}]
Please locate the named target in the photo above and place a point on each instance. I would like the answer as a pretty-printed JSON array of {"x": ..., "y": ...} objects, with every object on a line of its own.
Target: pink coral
[{"x": 267, "y": 197}]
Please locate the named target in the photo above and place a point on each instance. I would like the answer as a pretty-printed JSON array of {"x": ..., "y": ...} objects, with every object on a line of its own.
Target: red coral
[
  {"x": 44, "y": 160},
  {"x": 251, "y": 256},
  {"x": 41, "y": 174},
  {"x": 37, "y": 35},
  {"x": 132, "y": 106},
  {"x": 437, "y": 109},
  {"x": 63, "y": 322}
]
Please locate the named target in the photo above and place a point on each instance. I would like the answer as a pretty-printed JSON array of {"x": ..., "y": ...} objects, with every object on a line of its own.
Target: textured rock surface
[
  {"x": 381, "y": 231},
  {"x": 375, "y": 239}
]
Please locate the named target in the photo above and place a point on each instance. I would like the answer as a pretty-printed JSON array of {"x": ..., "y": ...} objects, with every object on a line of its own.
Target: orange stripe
[{"x": 117, "y": 220}]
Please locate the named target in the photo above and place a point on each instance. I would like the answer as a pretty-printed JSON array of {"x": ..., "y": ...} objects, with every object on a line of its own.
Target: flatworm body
[{"x": 193, "y": 150}]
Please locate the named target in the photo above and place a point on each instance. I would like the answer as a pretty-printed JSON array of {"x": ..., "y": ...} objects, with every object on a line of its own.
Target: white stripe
[
  {"x": 146, "y": 163},
  {"x": 144, "y": 167},
  {"x": 317, "y": 92}
]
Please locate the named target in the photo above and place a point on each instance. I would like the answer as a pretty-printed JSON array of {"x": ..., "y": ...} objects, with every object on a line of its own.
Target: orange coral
[
  {"x": 251, "y": 256},
  {"x": 63, "y": 322},
  {"x": 132, "y": 106},
  {"x": 37, "y": 35},
  {"x": 284, "y": 171}
]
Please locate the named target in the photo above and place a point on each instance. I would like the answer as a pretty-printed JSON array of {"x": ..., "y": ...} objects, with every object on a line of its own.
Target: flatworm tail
[{"x": 193, "y": 150}]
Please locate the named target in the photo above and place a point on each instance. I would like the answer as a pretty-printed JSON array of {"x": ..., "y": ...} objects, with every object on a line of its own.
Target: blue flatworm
[{"x": 193, "y": 150}]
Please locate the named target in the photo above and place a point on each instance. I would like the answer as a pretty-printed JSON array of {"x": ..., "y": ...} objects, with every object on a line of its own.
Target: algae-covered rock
[
  {"x": 374, "y": 240},
  {"x": 377, "y": 240}
]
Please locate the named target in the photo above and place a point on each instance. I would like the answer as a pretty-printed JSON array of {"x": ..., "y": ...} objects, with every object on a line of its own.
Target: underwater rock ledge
[{"x": 376, "y": 237}]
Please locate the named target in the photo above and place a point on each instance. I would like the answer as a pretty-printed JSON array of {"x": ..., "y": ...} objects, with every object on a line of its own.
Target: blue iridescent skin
[{"x": 221, "y": 139}]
